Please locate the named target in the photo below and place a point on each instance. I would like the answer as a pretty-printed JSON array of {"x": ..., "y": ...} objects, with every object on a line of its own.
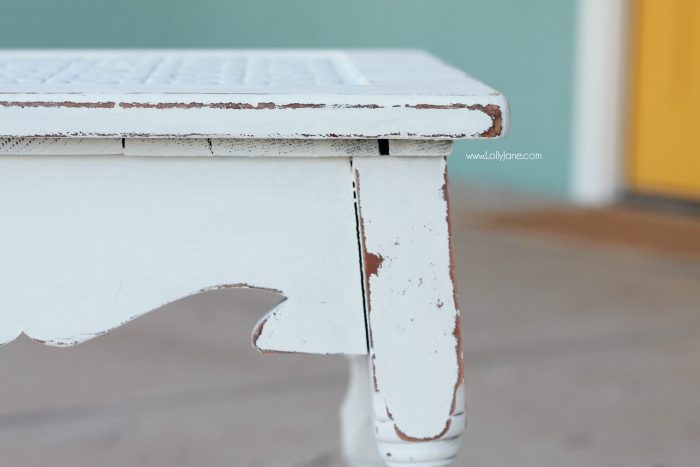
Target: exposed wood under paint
[{"x": 411, "y": 306}]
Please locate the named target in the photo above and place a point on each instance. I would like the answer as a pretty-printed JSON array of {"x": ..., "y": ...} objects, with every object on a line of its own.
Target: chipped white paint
[
  {"x": 207, "y": 147},
  {"x": 408, "y": 148},
  {"x": 90, "y": 243},
  {"x": 412, "y": 313},
  {"x": 250, "y": 147},
  {"x": 243, "y": 94},
  {"x": 170, "y": 147},
  {"x": 255, "y": 165},
  {"x": 202, "y": 147}
]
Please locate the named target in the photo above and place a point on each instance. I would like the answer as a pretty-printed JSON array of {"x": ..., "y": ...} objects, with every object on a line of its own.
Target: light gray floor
[{"x": 575, "y": 356}]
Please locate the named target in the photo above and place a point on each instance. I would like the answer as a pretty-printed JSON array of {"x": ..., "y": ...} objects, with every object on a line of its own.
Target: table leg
[{"x": 412, "y": 312}]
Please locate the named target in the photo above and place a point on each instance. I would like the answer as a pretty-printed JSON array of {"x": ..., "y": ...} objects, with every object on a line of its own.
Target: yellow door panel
[{"x": 665, "y": 135}]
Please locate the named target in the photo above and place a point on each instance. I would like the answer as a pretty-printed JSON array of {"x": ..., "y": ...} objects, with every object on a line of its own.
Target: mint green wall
[{"x": 524, "y": 48}]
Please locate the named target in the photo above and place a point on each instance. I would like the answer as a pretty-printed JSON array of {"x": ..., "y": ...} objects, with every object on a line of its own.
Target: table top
[{"x": 398, "y": 94}]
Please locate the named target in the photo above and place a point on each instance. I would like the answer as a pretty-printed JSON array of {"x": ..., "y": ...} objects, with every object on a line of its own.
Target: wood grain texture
[
  {"x": 411, "y": 148},
  {"x": 244, "y": 94},
  {"x": 411, "y": 305},
  {"x": 237, "y": 147},
  {"x": 106, "y": 239},
  {"x": 228, "y": 147},
  {"x": 60, "y": 146}
]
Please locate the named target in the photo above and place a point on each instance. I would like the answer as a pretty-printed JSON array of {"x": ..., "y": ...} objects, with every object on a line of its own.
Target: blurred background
[{"x": 579, "y": 271}]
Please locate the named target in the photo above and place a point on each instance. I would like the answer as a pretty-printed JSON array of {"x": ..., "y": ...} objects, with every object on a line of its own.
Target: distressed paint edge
[
  {"x": 371, "y": 264},
  {"x": 496, "y": 110},
  {"x": 219, "y": 147},
  {"x": 493, "y": 111},
  {"x": 457, "y": 333}
]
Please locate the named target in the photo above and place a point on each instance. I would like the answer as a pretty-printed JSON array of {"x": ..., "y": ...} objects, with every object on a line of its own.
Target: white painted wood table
[{"x": 132, "y": 179}]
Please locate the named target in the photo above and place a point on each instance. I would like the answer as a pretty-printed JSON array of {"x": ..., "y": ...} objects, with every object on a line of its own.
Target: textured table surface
[{"x": 244, "y": 93}]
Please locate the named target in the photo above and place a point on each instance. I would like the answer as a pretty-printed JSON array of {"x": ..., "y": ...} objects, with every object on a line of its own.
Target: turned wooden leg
[
  {"x": 357, "y": 417},
  {"x": 412, "y": 314},
  {"x": 397, "y": 449}
]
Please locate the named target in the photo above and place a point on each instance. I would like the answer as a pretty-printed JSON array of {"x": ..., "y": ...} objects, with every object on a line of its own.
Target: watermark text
[{"x": 502, "y": 156}]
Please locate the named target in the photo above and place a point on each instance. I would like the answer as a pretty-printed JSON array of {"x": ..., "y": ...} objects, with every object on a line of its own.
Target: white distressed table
[{"x": 132, "y": 179}]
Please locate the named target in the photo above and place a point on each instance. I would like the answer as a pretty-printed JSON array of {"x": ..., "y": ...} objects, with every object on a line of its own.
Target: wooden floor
[
  {"x": 578, "y": 354},
  {"x": 634, "y": 228}
]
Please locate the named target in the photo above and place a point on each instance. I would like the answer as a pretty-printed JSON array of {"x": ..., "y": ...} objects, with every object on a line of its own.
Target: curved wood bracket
[{"x": 90, "y": 243}]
